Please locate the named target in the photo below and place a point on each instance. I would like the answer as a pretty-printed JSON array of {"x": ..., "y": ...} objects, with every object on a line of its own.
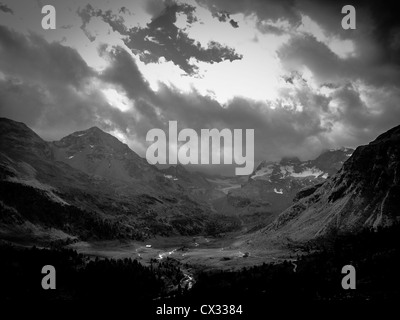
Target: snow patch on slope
[
  {"x": 307, "y": 172},
  {"x": 265, "y": 171},
  {"x": 168, "y": 176}
]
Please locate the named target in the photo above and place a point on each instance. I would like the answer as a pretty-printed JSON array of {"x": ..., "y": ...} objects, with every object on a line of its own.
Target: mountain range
[
  {"x": 363, "y": 194},
  {"x": 92, "y": 186},
  {"x": 274, "y": 186},
  {"x": 89, "y": 185}
]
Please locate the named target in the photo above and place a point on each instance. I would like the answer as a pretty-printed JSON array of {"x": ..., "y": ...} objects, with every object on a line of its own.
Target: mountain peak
[
  {"x": 99, "y": 153},
  {"x": 95, "y": 129},
  {"x": 93, "y": 136}
]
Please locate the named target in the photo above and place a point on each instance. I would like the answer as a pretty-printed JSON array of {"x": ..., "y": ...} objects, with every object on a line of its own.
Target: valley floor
[
  {"x": 194, "y": 271},
  {"x": 203, "y": 252}
]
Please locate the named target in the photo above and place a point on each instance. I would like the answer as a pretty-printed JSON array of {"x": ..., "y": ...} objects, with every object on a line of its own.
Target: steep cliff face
[{"x": 364, "y": 193}]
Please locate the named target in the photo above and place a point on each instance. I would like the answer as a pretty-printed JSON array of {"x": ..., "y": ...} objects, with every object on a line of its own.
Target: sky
[{"x": 286, "y": 69}]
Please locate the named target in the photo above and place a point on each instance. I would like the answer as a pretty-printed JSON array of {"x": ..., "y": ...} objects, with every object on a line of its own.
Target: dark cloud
[
  {"x": 24, "y": 102},
  {"x": 269, "y": 28},
  {"x": 124, "y": 72},
  {"x": 265, "y": 10},
  {"x": 366, "y": 93},
  {"x": 326, "y": 66},
  {"x": 54, "y": 110},
  {"x": 49, "y": 87},
  {"x": 116, "y": 22},
  {"x": 162, "y": 38},
  {"x": 57, "y": 108},
  {"x": 224, "y": 16},
  {"x": 20, "y": 56},
  {"x": 307, "y": 51},
  {"x": 234, "y": 23},
  {"x": 377, "y": 21},
  {"x": 376, "y": 38},
  {"x": 125, "y": 10},
  {"x": 156, "y": 7},
  {"x": 5, "y": 8},
  {"x": 365, "y": 121},
  {"x": 278, "y": 132}
]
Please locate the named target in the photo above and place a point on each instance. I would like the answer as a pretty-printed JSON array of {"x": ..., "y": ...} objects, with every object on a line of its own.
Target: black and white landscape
[{"x": 77, "y": 192}]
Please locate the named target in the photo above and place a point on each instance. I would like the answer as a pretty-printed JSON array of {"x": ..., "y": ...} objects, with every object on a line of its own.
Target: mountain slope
[
  {"x": 363, "y": 194},
  {"x": 101, "y": 154},
  {"x": 203, "y": 188},
  {"x": 106, "y": 192},
  {"x": 274, "y": 185}
]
